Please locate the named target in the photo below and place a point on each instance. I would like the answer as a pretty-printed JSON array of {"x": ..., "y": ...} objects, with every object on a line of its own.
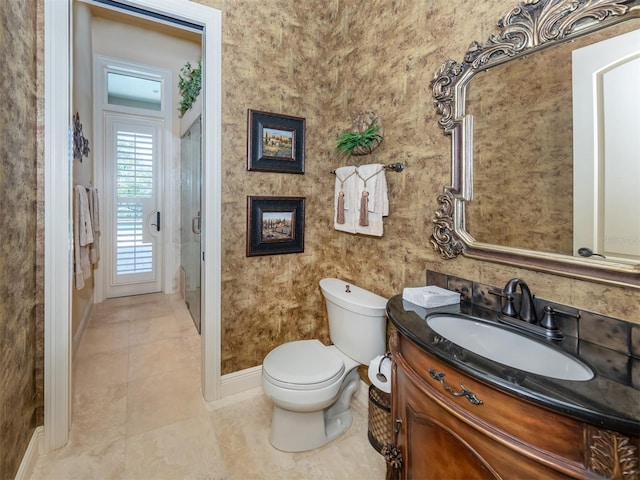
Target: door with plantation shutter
[{"x": 133, "y": 172}]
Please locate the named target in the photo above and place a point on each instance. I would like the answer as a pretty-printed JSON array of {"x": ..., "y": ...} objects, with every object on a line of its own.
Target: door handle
[
  {"x": 195, "y": 224},
  {"x": 157, "y": 224}
]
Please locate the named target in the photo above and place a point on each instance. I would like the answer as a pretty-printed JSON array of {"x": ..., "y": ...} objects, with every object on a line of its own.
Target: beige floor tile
[
  {"x": 348, "y": 457},
  {"x": 243, "y": 435},
  {"x": 163, "y": 399},
  {"x": 157, "y": 328},
  {"x": 103, "y": 461},
  {"x": 106, "y": 338},
  {"x": 148, "y": 309},
  {"x": 182, "y": 450},
  {"x": 102, "y": 369},
  {"x": 99, "y": 415},
  {"x": 162, "y": 356},
  {"x": 103, "y": 315}
]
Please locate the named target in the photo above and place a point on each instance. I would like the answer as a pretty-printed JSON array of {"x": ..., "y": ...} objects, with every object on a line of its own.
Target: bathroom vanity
[{"x": 459, "y": 415}]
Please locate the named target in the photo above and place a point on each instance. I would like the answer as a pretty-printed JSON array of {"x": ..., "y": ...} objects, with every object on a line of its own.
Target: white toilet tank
[{"x": 357, "y": 319}]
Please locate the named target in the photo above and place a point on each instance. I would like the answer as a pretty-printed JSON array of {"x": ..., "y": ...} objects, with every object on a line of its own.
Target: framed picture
[
  {"x": 275, "y": 225},
  {"x": 275, "y": 143}
]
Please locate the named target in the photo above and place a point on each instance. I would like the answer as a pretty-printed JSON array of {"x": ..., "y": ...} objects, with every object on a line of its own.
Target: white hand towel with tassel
[
  {"x": 345, "y": 214},
  {"x": 373, "y": 200}
]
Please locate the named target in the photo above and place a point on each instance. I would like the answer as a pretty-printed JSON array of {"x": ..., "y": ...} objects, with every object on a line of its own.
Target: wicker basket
[{"x": 379, "y": 418}]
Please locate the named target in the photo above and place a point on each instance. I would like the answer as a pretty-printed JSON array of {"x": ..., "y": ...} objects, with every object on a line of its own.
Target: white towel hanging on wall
[
  {"x": 345, "y": 211},
  {"x": 360, "y": 199},
  {"x": 82, "y": 231},
  {"x": 85, "y": 230},
  {"x": 94, "y": 210},
  {"x": 372, "y": 187}
]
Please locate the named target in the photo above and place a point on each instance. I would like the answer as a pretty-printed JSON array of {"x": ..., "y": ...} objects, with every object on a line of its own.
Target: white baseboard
[
  {"x": 31, "y": 455},
  {"x": 77, "y": 338},
  {"x": 238, "y": 382}
]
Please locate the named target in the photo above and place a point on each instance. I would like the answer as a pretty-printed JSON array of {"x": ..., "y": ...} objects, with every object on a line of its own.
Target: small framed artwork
[
  {"x": 275, "y": 225},
  {"x": 275, "y": 143}
]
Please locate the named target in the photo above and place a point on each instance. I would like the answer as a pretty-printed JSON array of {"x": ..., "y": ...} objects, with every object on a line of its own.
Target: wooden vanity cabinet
[{"x": 484, "y": 433}]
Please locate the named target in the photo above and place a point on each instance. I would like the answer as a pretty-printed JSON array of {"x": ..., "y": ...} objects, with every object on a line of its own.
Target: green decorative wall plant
[
  {"x": 189, "y": 84},
  {"x": 365, "y": 135}
]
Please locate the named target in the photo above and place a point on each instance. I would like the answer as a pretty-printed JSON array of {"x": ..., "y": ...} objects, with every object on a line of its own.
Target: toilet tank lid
[{"x": 336, "y": 290}]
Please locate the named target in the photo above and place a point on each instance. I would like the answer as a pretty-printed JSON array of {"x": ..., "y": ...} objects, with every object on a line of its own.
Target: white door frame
[{"x": 57, "y": 184}]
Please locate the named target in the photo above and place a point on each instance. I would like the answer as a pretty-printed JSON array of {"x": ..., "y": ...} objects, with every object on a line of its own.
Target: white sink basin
[{"x": 508, "y": 348}]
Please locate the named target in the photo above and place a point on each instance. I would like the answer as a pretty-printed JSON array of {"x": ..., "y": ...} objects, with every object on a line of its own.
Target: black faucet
[
  {"x": 527, "y": 308},
  {"x": 526, "y": 319}
]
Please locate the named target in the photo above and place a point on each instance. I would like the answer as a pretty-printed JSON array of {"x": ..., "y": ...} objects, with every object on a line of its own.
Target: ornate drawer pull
[{"x": 464, "y": 392}]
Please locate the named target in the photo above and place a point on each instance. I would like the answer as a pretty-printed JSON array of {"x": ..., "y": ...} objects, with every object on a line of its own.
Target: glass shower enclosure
[{"x": 190, "y": 208}]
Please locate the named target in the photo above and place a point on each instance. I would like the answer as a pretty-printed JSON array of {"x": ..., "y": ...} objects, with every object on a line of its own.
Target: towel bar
[{"x": 396, "y": 167}]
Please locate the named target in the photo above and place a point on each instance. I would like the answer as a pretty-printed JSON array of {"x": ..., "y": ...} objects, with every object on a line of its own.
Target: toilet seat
[{"x": 303, "y": 365}]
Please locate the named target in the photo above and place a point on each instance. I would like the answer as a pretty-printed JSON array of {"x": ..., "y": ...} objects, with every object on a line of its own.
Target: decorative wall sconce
[{"x": 80, "y": 143}]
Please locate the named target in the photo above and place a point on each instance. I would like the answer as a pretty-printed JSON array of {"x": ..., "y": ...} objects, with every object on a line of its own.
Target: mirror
[{"x": 518, "y": 179}]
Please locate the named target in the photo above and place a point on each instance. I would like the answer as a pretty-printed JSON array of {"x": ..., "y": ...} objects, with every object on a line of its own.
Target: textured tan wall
[
  {"x": 273, "y": 60},
  {"x": 17, "y": 232}
]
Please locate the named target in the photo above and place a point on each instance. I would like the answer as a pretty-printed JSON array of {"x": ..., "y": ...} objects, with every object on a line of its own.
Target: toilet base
[{"x": 301, "y": 431}]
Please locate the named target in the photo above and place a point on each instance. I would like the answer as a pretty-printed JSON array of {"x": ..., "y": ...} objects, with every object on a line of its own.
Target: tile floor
[{"x": 138, "y": 412}]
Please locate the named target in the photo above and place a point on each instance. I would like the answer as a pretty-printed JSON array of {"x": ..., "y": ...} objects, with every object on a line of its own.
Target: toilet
[{"x": 311, "y": 384}]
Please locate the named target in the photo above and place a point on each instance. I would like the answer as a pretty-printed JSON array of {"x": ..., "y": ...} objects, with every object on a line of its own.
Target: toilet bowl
[{"x": 311, "y": 384}]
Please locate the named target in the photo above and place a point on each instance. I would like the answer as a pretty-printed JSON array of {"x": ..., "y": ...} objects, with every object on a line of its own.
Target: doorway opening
[{"x": 58, "y": 180}]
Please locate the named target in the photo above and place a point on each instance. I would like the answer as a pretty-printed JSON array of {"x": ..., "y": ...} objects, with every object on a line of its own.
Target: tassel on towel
[
  {"x": 364, "y": 200},
  {"x": 370, "y": 199},
  {"x": 364, "y": 209},
  {"x": 340, "y": 209},
  {"x": 345, "y": 189}
]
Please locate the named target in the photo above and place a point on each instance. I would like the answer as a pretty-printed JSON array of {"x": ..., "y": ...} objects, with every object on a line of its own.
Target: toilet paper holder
[{"x": 381, "y": 376}]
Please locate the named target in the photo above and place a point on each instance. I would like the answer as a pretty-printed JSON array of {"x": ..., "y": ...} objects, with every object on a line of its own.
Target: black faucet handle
[
  {"x": 548, "y": 321},
  {"x": 508, "y": 308}
]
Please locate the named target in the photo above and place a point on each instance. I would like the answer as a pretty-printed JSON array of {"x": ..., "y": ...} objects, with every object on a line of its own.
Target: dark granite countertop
[{"x": 608, "y": 400}]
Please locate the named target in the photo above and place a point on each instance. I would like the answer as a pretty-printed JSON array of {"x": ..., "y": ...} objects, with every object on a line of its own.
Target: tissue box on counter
[{"x": 430, "y": 296}]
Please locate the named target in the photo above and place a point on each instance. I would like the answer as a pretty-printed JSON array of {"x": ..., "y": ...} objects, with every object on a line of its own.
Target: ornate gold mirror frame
[{"x": 531, "y": 26}]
